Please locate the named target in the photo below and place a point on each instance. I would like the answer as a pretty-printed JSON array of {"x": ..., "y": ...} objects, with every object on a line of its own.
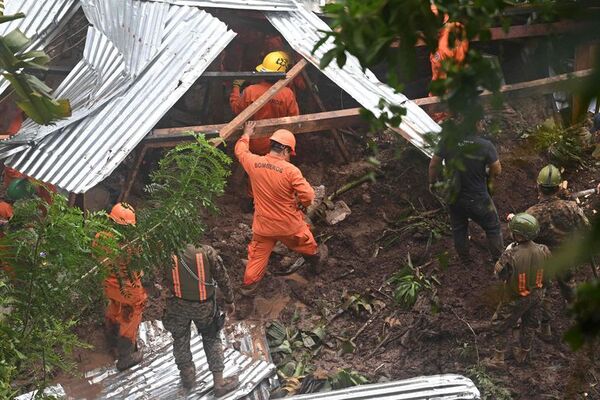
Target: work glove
[{"x": 238, "y": 82}]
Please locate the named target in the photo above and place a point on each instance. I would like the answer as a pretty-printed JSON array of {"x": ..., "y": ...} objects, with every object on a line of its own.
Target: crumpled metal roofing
[
  {"x": 42, "y": 21},
  {"x": 301, "y": 29},
  {"x": 260, "y": 5},
  {"x": 140, "y": 58},
  {"x": 438, "y": 387},
  {"x": 157, "y": 377}
]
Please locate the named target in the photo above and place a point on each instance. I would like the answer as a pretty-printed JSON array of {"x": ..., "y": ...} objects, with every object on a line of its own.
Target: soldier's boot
[
  {"x": 127, "y": 354},
  {"x": 495, "y": 361},
  {"x": 545, "y": 330},
  {"x": 188, "y": 375},
  {"x": 316, "y": 261},
  {"x": 521, "y": 354},
  {"x": 224, "y": 385}
]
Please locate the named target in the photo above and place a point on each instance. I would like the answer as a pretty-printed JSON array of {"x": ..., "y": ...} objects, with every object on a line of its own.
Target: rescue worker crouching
[
  {"x": 126, "y": 299},
  {"x": 192, "y": 280},
  {"x": 559, "y": 221},
  {"x": 521, "y": 267},
  {"x": 280, "y": 191}
]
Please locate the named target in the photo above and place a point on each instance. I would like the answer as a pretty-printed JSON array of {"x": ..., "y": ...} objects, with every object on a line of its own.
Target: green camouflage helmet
[
  {"x": 525, "y": 225},
  {"x": 19, "y": 189},
  {"x": 549, "y": 176}
]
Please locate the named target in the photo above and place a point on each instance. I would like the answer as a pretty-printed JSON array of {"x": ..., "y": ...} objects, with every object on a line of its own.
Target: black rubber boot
[
  {"x": 111, "y": 332},
  {"x": 315, "y": 263},
  {"x": 128, "y": 356}
]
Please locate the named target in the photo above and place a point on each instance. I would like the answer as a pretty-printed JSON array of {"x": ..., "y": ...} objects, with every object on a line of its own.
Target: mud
[{"x": 448, "y": 338}]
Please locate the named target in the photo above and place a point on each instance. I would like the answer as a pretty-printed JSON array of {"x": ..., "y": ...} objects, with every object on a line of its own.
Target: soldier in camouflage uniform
[
  {"x": 559, "y": 220},
  {"x": 521, "y": 267},
  {"x": 193, "y": 279}
]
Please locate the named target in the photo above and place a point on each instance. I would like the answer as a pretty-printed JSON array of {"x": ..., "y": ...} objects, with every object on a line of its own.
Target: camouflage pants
[
  {"x": 528, "y": 309},
  {"x": 177, "y": 319}
]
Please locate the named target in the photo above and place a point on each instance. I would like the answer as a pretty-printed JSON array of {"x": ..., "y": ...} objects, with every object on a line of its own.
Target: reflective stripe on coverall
[
  {"x": 125, "y": 303},
  {"x": 283, "y": 104},
  {"x": 278, "y": 186}
]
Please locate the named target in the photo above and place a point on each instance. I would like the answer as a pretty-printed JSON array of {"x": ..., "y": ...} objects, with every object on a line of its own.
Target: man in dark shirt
[{"x": 476, "y": 163}]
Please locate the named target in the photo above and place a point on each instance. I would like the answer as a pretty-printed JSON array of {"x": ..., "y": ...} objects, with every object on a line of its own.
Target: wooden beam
[
  {"x": 351, "y": 117},
  {"x": 530, "y": 30},
  {"x": 298, "y": 124},
  {"x": 245, "y": 115}
]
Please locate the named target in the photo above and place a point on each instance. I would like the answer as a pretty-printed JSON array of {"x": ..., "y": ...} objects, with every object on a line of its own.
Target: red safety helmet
[
  {"x": 286, "y": 138},
  {"x": 6, "y": 212},
  {"x": 123, "y": 214}
]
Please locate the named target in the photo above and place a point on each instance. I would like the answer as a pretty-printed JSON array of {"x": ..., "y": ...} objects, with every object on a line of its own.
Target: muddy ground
[{"x": 395, "y": 343}]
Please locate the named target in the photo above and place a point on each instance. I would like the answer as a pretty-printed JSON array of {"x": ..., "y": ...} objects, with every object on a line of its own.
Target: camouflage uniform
[
  {"x": 182, "y": 309},
  {"x": 559, "y": 219},
  {"x": 521, "y": 267}
]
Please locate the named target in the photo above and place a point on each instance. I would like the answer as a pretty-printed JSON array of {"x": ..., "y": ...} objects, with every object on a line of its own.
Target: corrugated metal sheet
[
  {"x": 42, "y": 21},
  {"x": 301, "y": 29},
  {"x": 436, "y": 387},
  {"x": 165, "y": 48},
  {"x": 260, "y": 5},
  {"x": 157, "y": 377}
]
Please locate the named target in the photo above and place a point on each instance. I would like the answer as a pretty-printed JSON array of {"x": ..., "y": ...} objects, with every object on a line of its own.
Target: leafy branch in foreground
[
  {"x": 34, "y": 96},
  {"x": 52, "y": 272},
  {"x": 185, "y": 186}
]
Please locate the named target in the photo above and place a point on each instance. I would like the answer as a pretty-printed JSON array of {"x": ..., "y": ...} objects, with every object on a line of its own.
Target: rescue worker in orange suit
[
  {"x": 126, "y": 301},
  {"x": 11, "y": 119},
  {"x": 446, "y": 50},
  {"x": 283, "y": 104},
  {"x": 6, "y": 213},
  {"x": 280, "y": 191}
]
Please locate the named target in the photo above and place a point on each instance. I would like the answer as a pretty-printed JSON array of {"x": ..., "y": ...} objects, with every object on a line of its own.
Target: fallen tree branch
[{"x": 472, "y": 331}]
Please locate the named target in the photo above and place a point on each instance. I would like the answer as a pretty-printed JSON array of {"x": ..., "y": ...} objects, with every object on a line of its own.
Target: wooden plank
[
  {"x": 532, "y": 30},
  {"x": 249, "y": 75},
  {"x": 351, "y": 117},
  {"x": 245, "y": 115},
  {"x": 298, "y": 124}
]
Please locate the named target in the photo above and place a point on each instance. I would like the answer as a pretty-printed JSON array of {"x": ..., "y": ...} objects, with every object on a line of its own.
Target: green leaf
[{"x": 15, "y": 40}]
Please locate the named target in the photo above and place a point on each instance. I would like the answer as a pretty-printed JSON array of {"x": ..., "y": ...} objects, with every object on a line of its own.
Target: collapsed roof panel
[
  {"x": 42, "y": 21},
  {"x": 439, "y": 387},
  {"x": 174, "y": 44},
  {"x": 301, "y": 28},
  {"x": 260, "y": 5},
  {"x": 157, "y": 377}
]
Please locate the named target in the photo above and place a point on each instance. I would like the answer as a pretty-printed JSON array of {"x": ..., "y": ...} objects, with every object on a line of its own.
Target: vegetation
[
  {"x": 409, "y": 282},
  {"x": 368, "y": 28},
  {"x": 490, "y": 390},
  {"x": 33, "y": 95},
  {"x": 53, "y": 272},
  {"x": 564, "y": 147}
]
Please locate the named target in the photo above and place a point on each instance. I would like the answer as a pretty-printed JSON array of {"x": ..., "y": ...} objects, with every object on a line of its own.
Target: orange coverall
[
  {"x": 13, "y": 127},
  {"x": 445, "y": 51},
  {"x": 6, "y": 213},
  {"x": 282, "y": 105},
  {"x": 125, "y": 304},
  {"x": 278, "y": 187}
]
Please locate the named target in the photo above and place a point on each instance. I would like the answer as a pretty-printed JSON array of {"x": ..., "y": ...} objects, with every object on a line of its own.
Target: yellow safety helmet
[{"x": 276, "y": 61}]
